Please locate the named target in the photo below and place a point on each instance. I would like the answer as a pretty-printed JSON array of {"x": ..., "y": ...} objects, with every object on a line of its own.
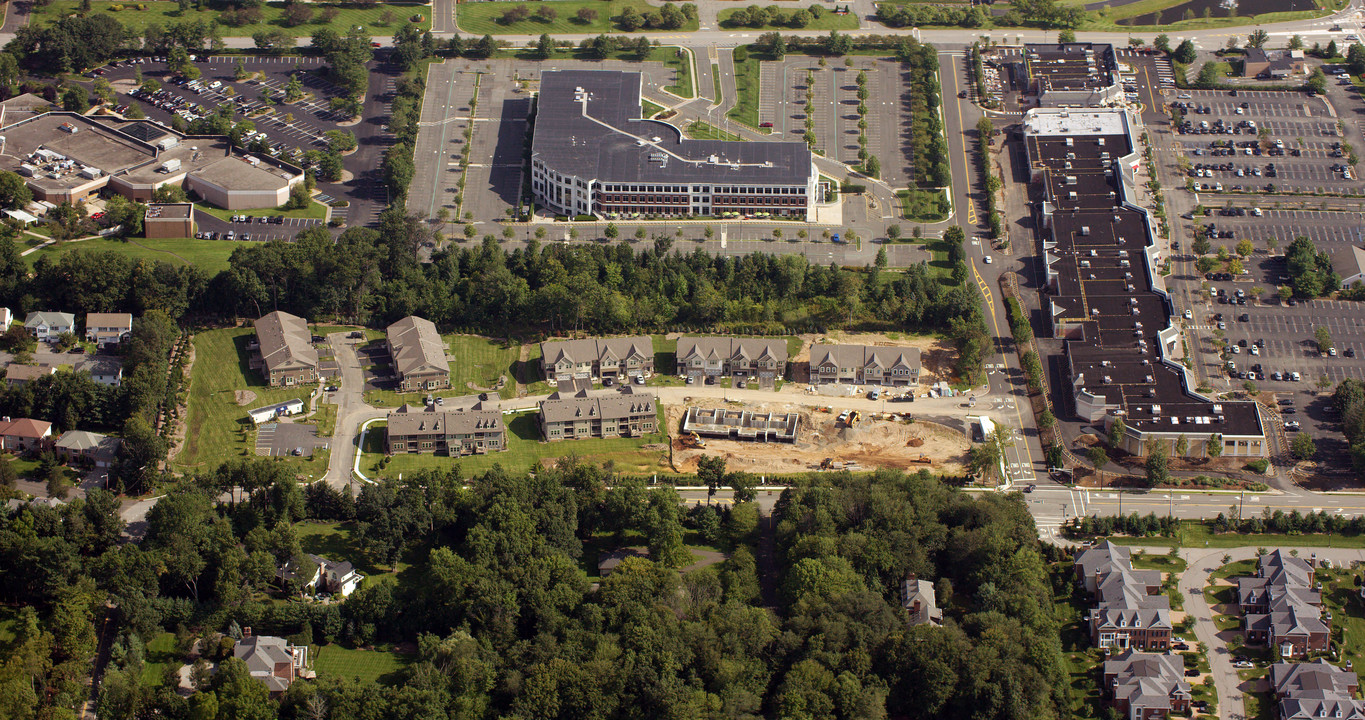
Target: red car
[
  {"x": 374, "y": 44},
  {"x": 765, "y": 125},
  {"x": 98, "y": 216}
]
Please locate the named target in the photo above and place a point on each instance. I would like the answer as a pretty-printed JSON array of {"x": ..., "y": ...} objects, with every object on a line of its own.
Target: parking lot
[
  {"x": 782, "y": 101},
  {"x": 285, "y": 439},
  {"x": 1263, "y": 141}
]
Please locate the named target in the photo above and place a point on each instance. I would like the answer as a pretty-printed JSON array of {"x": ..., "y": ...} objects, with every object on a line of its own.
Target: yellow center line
[
  {"x": 962, "y": 142},
  {"x": 995, "y": 325}
]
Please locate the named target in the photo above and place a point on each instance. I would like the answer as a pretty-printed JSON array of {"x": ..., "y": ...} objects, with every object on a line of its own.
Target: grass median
[
  {"x": 136, "y": 19},
  {"x": 486, "y": 18}
]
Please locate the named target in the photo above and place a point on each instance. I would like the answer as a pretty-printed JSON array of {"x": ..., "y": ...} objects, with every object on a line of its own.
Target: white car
[
  {"x": 986, "y": 259},
  {"x": 215, "y": 85},
  {"x": 1189, "y": 315}
]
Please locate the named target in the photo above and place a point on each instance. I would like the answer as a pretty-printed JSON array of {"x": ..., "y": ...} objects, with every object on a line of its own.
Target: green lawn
[
  {"x": 1080, "y": 660},
  {"x": 167, "y": 13},
  {"x": 341, "y": 541},
  {"x": 826, "y": 21},
  {"x": 746, "y": 88},
  {"x": 1237, "y": 568},
  {"x": 923, "y": 205},
  {"x": 160, "y": 654},
  {"x": 1152, "y": 561},
  {"x": 681, "y": 62},
  {"x": 211, "y": 256},
  {"x": 649, "y": 109},
  {"x": 219, "y": 428},
  {"x": 1109, "y": 20},
  {"x": 485, "y": 18},
  {"x": 376, "y": 666},
  {"x": 314, "y": 211},
  {"x": 524, "y": 451},
  {"x": 699, "y": 130},
  {"x": 478, "y": 360},
  {"x": 1342, "y": 597},
  {"x": 1195, "y": 534}
]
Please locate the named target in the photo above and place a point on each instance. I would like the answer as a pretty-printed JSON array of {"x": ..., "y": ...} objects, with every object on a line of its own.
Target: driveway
[
  {"x": 351, "y": 408},
  {"x": 1201, "y": 563}
]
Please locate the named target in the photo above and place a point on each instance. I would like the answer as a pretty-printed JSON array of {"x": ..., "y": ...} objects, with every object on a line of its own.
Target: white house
[
  {"x": 103, "y": 369},
  {"x": 338, "y": 578},
  {"x": 50, "y": 325}
]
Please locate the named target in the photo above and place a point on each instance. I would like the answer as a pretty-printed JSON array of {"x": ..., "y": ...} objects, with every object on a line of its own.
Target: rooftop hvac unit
[
  {"x": 167, "y": 142},
  {"x": 1070, "y": 142},
  {"x": 1085, "y": 230},
  {"x": 1101, "y": 141},
  {"x": 27, "y": 170},
  {"x": 89, "y": 172}
]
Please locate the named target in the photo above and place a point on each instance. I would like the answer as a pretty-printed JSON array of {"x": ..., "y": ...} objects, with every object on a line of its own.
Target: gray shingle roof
[
  {"x": 416, "y": 346},
  {"x": 285, "y": 342}
]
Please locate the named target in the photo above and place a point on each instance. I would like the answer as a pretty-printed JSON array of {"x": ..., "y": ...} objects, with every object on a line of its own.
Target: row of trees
[{"x": 1349, "y": 400}]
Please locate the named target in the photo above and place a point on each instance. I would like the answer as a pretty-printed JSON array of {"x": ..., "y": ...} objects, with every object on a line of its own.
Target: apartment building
[
  {"x": 1282, "y": 607},
  {"x": 584, "y": 414},
  {"x": 597, "y": 358},
  {"x": 476, "y": 430},
  {"x": 864, "y": 365},
  {"x": 1146, "y": 686},
  {"x": 1131, "y": 611},
  {"x": 419, "y": 355},
  {"x": 1311, "y": 691},
  {"x": 760, "y": 358},
  {"x": 284, "y": 350}
]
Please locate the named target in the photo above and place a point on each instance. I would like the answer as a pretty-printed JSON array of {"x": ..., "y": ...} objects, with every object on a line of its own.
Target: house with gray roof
[
  {"x": 1315, "y": 690},
  {"x": 419, "y": 355},
  {"x": 82, "y": 446},
  {"x": 1146, "y": 686},
  {"x": 920, "y": 602},
  {"x": 17, "y": 374},
  {"x": 864, "y": 365},
  {"x": 339, "y": 578},
  {"x": 474, "y": 430},
  {"x": 585, "y": 414},
  {"x": 1282, "y": 606},
  {"x": 597, "y": 358},
  {"x": 761, "y": 358},
  {"x": 285, "y": 349},
  {"x": 1131, "y": 611},
  {"x": 48, "y": 326},
  {"x": 272, "y": 660}
]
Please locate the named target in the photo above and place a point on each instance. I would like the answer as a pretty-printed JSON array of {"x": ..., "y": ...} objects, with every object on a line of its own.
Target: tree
[
  {"x": 1214, "y": 447},
  {"x": 297, "y": 13},
  {"x": 1208, "y": 76},
  {"x": 711, "y": 472},
  {"x": 1296, "y": 42},
  {"x": 1303, "y": 446},
  {"x": 275, "y": 40},
  {"x": 1258, "y": 38},
  {"x": 1157, "y": 465},
  {"x": 1182, "y": 446},
  {"x": 14, "y": 193},
  {"x": 75, "y": 99},
  {"x": 1185, "y": 52},
  {"x": 611, "y": 232},
  {"x": 1317, "y": 82},
  {"x": 1323, "y": 336},
  {"x": 1066, "y": 36},
  {"x": 1162, "y": 43},
  {"x": 1116, "y": 432},
  {"x": 586, "y": 15},
  {"x": 1332, "y": 51},
  {"x": 1245, "y": 248},
  {"x": 1098, "y": 457}
]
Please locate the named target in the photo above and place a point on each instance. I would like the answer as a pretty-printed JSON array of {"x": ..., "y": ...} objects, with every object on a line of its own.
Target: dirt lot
[
  {"x": 936, "y": 354},
  {"x": 873, "y": 444}
]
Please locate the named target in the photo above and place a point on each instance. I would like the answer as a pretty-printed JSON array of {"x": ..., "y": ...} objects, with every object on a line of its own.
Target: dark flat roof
[
  {"x": 1071, "y": 66},
  {"x": 1105, "y": 294},
  {"x": 599, "y": 135}
]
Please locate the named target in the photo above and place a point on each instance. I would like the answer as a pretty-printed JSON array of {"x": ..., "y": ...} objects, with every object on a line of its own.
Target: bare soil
[
  {"x": 936, "y": 354},
  {"x": 878, "y": 441},
  {"x": 244, "y": 397}
]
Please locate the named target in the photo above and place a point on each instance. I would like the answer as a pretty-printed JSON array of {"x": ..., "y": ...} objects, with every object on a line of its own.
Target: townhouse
[
  {"x": 864, "y": 365},
  {"x": 1310, "y": 691},
  {"x": 759, "y": 358},
  {"x": 419, "y": 355},
  {"x": 597, "y": 358},
  {"x": 1146, "y": 686},
  {"x": 284, "y": 350},
  {"x": 475, "y": 430},
  {"x": 1130, "y": 610},
  {"x": 1281, "y": 605},
  {"x": 565, "y": 416}
]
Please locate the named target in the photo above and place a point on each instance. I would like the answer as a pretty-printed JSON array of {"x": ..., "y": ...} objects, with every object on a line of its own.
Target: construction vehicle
[
  {"x": 921, "y": 460},
  {"x": 692, "y": 439},
  {"x": 854, "y": 418},
  {"x": 827, "y": 464}
]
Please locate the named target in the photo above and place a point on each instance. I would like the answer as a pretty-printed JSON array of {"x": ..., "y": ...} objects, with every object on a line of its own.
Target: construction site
[{"x": 824, "y": 440}]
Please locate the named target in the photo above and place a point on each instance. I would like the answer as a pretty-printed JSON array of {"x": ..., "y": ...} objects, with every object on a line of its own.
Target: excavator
[{"x": 692, "y": 439}]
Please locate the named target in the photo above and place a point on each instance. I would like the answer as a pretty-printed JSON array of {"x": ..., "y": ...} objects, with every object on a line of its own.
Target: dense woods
[{"x": 504, "y": 622}]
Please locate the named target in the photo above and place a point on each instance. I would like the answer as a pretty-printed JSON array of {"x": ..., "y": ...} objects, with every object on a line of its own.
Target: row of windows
[
  {"x": 679, "y": 199},
  {"x": 759, "y": 201},
  {"x": 729, "y": 189}
]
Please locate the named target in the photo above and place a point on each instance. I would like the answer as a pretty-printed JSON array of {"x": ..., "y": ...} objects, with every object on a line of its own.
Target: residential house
[
  {"x": 81, "y": 446},
  {"x": 108, "y": 328},
  {"x": 628, "y": 413},
  {"x": 476, "y": 430},
  {"x": 272, "y": 660},
  {"x": 607, "y": 564},
  {"x": 25, "y": 434},
  {"x": 1146, "y": 686},
  {"x": 1130, "y": 610},
  {"x": 286, "y": 349},
  {"x": 48, "y": 326},
  {"x": 1315, "y": 690},
  {"x": 16, "y": 374},
  {"x": 759, "y": 358},
  {"x": 864, "y": 365},
  {"x": 920, "y": 602},
  {"x": 1282, "y": 606},
  {"x": 597, "y": 358},
  {"x": 338, "y": 578},
  {"x": 103, "y": 369},
  {"x": 419, "y": 355}
]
